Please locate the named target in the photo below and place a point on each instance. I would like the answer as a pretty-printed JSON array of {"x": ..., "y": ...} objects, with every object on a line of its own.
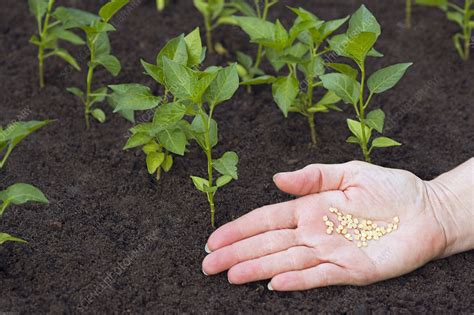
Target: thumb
[{"x": 316, "y": 178}]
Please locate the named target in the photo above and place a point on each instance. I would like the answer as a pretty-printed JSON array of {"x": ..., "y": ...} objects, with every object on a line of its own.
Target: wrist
[{"x": 451, "y": 200}]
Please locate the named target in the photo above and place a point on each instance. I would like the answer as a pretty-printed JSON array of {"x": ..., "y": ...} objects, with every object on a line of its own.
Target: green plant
[
  {"x": 187, "y": 91},
  {"x": 408, "y": 9},
  {"x": 99, "y": 47},
  {"x": 14, "y": 133},
  {"x": 18, "y": 194},
  {"x": 357, "y": 44},
  {"x": 463, "y": 16},
  {"x": 218, "y": 12},
  {"x": 51, "y": 30},
  {"x": 300, "y": 50},
  {"x": 246, "y": 67}
]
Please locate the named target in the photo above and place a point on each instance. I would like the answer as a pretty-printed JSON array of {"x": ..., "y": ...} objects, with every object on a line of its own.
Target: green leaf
[
  {"x": 169, "y": 114},
  {"x": 343, "y": 68},
  {"x": 329, "y": 98},
  {"x": 154, "y": 160},
  {"x": 151, "y": 147},
  {"x": 363, "y": 21},
  {"x": 312, "y": 68},
  {"x": 223, "y": 180},
  {"x": 330, "y": 27},
  {"x": 136, "y": 140},
  {"x": 76, "y": 91},
  {"x": 256, "y": 28},
  {"x": 200, "y": 183},
  {"x": 194, "y": 47},
  {"x": 223, "y": 87},
  {"x": 110, "y": 62},
  {"x": 62, "y": 53},
  {"x": 245, "y": 60},
  {"x": 285, "y": 90},
  {"x": 99, "y": 115},
  {"x": 4, "y": 237},
  {"x": 173, "y": 140},
  {"x": 359, "y": 46},
  {"x": 38, "y": 8},
  {"x": 456, "y": 17},
  {"x": 264, "y": 79},
  {"x": 386, "y": 78},
  {"x": 227, "y": 164},
  {"x": 384, "y": 142},
  {"x": 352, "y": 139},
  {"x": 179, "y": 79},
  {"x": 107, "y": 11},
  {"x": 19, "y": 194},
  {"x": 356, "y": 128},
  {"x": 66, "y": 35},
  {"x": 375, "y": 119},
  {"x": 73, "y": 18},
  {"x": 102, "y": 45},
  {"x": 343, "y": 86},
  {"x": 168, "y": 163},
  {"x": 281, "y": 36},
  {"x": 133, "y": 97},
  {"x": 175, "y": 49},
  {"x": 198, "y": 130},
  {"x": 202, "y": 85}
]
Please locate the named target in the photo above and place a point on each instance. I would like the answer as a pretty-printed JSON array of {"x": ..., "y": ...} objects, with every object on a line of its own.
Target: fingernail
[
  {"x": 204, "y": 272},
  {"x": 275, "y": 177},
  {"x": 229, "y": 281},
  {"x": 206, "y": 248},
  {"x": 269, "y": 286}
]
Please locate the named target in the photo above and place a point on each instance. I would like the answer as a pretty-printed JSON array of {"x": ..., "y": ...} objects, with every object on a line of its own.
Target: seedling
[
  {"x": 14, "y": 133},
  {"x": 246, "y": 67},
  {"x": 99, "y": 47},
  {"x": 463, "y": 16},
  {"x": 187, "y": 91},
  {"x": 357, "y": 44},
  {"x": 18, "y": 194},
  {"x": 218, "y": 12},
  {"x": 301, "y": 51},
  {"x": 51, "y": 30}
]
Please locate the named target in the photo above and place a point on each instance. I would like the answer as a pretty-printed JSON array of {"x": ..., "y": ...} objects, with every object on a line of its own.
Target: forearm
[{"x": 452, "y": 198}]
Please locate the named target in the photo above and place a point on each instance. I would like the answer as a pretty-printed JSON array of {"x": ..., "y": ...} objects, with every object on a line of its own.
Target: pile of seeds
[{"x": 363, "y": 230}]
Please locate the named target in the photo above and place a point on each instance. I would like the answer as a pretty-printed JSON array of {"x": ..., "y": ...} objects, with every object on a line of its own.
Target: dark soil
[{"x": 113, "y": 240}]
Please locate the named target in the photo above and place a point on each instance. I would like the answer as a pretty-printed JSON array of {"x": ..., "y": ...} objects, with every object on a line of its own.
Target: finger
[
  {"x": 322, "y": 275},
  {"x": 267, "y": 218},
  {"x": 249, "y": 248},
  {"x": 316, "y": 178},
  {"x": 295, "y": 258}
]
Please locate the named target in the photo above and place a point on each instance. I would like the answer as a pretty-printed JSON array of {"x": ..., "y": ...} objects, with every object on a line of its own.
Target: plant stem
[
  {"x": 312, "y": 127},
  {"x": 208, "y": 151},
  {"x": 41, "y": 66},
  {"x": 42, "y": 30},
  {"x": 207, "y": 24},
  {"x": 363, "y": 145},
  {"x": 467, "y": 29},
  {"x": 408, "y": 13},
  {"x": 260, "y": 46},
  {"x": 87, "y": 110}
]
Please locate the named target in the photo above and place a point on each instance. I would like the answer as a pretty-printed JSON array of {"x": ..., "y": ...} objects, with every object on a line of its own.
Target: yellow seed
[
  {"x": 348, "y": 235},
  {"x": 339, "y": 218},
  {"x": 364, "y": 244},
  {"x": 369, "y": 237},
  {"x": 363, "y": 238},
  {"x": 360, "y": 226},
  {"x": 374, "y": 225},
  {"x": 344, "y": 223},
  {"x": 396, "y": 220},
  {"x": 356, "y": 221},
  {"x": 395, "y": 226},
  {"x": 389, "y": 230},
  {"x": 376, "y": 237},
  {"x": 344, "y": 231},
  {"x": 369, "y": 222},
  {"x": 356, "y": 232},
  {"x": 329, "y": 231},
  {"x": 390, "y": 225},
  {"x": 325, "y": 218},
  {"x": 332, "y": 210},
  {"x": 357, "y": 237},
  {"x": 359, "y": 244}
]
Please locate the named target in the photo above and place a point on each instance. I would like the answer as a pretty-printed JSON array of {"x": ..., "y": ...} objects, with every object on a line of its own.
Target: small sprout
[
  {"x": 54, "y": 27},
  {"x": 98, "y": 44},
  {"x": 161, "y": 4},
  {"x": 357, "y": 44}
]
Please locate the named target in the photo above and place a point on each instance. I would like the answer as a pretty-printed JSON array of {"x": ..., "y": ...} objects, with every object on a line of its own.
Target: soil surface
[{"x": 114, "y": 240}]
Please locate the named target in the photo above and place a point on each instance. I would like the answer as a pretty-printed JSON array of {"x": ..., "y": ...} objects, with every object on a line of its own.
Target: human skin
[{"x": 287, "y": 242}]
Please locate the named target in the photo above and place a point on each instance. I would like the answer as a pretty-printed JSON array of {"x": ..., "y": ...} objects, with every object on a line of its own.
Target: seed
[
  {"x": 356, "y": 231},
  {"x": 363, "y": 238},
  {"x": 329, "y": 231},
  {"x": 369, "y": 222},
  {"x": 390, "y": 225},
  {"x": 364, "y": 244},
  {"x": 395, "y": 226},
  {"x": 356, "y": 221},
  {"x": 389, "y": 230},
  {"x": 374, "y": 225},
  {"x": 359, "y": 244},
  {"x": 396, "y": 220},
  {"x": 344, "y": 231},
  {"x": 348, "y": 235},
  {"x": 369, "y": 237},
  {"x": 325, "y": 218},
  {"x": 357, "y": 237},
  {"x": 376, "y": 237}
]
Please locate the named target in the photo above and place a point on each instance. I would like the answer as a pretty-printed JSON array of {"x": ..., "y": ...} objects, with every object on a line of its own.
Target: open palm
[{"x": 288, "y": 243}]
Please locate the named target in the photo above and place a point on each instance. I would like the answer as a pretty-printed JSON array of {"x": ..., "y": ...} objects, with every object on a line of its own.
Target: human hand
[{"x": 288, "y": 243}]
